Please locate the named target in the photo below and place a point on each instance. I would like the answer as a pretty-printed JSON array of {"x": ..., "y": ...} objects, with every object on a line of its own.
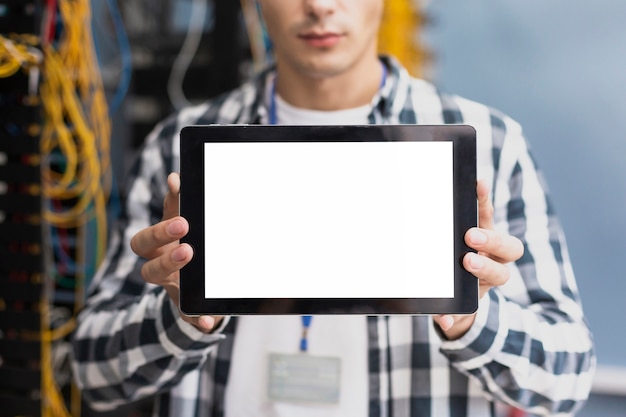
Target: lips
[{"x": 321, "y": 39}]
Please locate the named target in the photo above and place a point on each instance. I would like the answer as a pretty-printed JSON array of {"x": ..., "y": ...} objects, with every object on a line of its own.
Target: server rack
[{"x": 21, "y": 234}]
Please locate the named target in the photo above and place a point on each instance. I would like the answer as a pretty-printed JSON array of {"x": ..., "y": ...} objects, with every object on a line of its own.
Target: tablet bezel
[{"x": 192, "y": 281}]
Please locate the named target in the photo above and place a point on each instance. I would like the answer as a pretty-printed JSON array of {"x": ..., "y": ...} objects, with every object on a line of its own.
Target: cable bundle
[
  {"x": 76, "y": 170},
  {"x": 76, "y": 128},
  {"x": 17, "y": 53}
]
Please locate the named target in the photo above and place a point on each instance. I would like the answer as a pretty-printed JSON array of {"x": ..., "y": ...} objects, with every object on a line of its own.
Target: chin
[{"x": 323, "y": 68}]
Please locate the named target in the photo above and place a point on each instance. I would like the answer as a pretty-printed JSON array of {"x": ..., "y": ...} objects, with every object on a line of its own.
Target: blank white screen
[{"x": 329, "y": 220}]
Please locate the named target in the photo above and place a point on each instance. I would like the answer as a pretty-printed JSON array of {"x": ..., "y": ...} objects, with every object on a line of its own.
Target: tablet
[{"x": 328, "y": 219}]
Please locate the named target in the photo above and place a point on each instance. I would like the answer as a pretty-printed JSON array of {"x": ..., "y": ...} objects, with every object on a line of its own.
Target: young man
[{"x": 527, "y": 345}]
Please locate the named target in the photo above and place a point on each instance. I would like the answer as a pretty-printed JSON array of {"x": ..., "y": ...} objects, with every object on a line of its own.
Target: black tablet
[{"x": 328, "y": 219}]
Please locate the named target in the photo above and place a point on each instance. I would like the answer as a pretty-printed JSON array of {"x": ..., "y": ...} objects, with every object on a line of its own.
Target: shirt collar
[{"x": 382, "y": 108}]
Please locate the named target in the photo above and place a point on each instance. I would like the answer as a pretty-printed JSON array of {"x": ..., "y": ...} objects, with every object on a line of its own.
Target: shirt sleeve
[
  {"x": 530, "y": 345},
  {"x": 131, "y": 341}
]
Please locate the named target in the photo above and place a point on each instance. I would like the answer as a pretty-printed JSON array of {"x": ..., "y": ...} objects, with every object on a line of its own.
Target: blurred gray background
[{"x": 559, "y": 68}]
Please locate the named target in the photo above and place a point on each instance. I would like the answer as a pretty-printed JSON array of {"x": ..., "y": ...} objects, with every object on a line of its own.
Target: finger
[
  {"x": 148, "y": 242},
  {"x": 502, "y": 248},
  {"x": 205, "y": 323},
  {"x": 454, "y": 326},
  {"x": 485, "y": 206},
  {"x": 444, "y": 321},
  {"x": 161, "y": 270},
  {"x": 490, "y": 273},
  {"x": 171, "y": 203}
]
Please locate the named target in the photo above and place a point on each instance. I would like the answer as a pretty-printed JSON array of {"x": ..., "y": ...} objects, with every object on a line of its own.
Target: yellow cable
[
  {"x": 16, "y": 53},
  {"x": 52, "y": 401},
  {"x": 81, "y": 94},
  {"x": 75, "y": 88}
]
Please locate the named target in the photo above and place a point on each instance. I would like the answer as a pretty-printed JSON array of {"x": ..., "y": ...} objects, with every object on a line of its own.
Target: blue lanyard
[
  {"x": 273, "y": 117},
  {"x": 306, "y": 324}
]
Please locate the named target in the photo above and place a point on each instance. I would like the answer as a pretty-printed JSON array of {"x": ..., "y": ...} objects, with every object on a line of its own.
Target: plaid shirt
[{"x": 529, "y": 347}]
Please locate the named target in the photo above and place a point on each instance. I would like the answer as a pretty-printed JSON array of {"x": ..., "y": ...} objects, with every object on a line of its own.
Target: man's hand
[
  {"x": 488, "y": 265},
  {"x": 161, "y": 246}
]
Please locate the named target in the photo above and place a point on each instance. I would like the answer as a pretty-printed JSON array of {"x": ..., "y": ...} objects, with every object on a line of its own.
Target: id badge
[{"x": 304, "y": 378}]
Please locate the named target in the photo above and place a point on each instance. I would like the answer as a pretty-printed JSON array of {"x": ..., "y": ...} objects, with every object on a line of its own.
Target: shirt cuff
[
  {"x": 483, "y": 340},
  {"x": 181, "y": 338}
]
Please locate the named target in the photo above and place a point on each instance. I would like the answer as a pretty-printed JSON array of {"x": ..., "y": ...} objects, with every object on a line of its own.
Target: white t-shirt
[
  {"x": 341, "y": 336},
  {"x": 286, "y": 114}
]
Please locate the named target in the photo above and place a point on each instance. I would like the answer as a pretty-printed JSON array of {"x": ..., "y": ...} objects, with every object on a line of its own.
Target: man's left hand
[{"x": 494, "y": 251}]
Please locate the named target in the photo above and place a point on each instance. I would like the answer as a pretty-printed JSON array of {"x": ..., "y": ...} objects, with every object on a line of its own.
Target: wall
[{"x": 559, "y": 68}]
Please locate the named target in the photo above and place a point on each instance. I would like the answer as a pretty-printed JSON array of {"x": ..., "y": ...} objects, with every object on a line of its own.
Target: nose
[{"x": 320, "y": 8}]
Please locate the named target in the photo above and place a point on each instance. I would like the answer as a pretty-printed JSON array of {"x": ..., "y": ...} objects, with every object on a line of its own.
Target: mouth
[{"x": 321, "y": 39}]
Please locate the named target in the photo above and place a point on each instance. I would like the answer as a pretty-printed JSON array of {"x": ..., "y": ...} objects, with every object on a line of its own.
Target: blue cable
[
  {"x": 125, "y": 56},
  {"x": 269, "y": 47}
]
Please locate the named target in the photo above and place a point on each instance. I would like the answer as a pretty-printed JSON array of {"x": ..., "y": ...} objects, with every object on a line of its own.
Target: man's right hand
[{"x": 160, "y": 245}]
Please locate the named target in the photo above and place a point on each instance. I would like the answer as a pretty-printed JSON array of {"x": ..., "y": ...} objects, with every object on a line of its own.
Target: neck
[{"x": 345, "y": 90}]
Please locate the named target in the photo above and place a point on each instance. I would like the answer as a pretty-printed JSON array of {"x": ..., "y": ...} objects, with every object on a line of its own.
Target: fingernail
[
  {"x": 175, "y": 228},
  {"x": 476, "y": 261},
  {"x": 206, "y": 323},
  {"x": 477, "y": 237},
  {"x": 446, "y": 322},
  {"x": 179, "y": 254}
]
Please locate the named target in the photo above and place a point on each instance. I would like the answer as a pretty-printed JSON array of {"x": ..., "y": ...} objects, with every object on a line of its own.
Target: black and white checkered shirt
[{"x": 529, "y": 346}]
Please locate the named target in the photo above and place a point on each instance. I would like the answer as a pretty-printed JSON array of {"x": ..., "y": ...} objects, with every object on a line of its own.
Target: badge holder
[{"x": 302, "y": 377}]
